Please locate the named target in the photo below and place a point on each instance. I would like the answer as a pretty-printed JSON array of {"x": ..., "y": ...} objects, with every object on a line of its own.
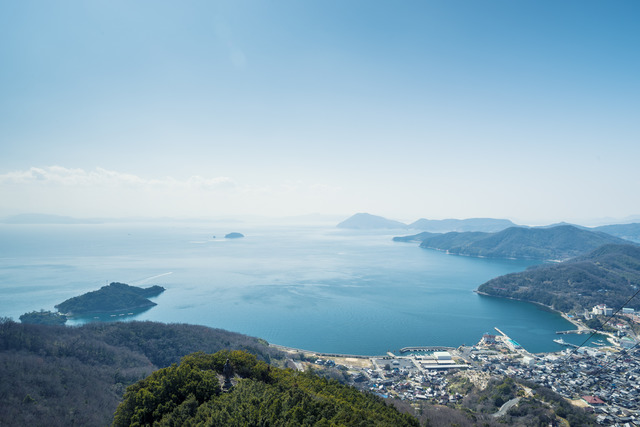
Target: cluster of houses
[
  {"x": 412, "y": 378},
  {"x": 605, "y": 381},
  {"x": 608, "y": 382}
]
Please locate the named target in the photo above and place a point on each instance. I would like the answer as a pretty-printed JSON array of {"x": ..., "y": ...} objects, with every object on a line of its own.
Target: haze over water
[{"x": 312, "y": 287}]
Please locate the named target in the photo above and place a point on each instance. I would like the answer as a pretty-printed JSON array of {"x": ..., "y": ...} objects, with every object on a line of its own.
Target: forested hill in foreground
[
  {"x": 260, "y": 395},
  {"x": 556, "y": 243},
  {"x": 63, "y": 376},
  {"x": 608, "y": 275}
]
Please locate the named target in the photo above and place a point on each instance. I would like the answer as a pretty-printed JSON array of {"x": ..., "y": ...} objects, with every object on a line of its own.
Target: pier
[
  {"x": 426, "y": 348},
  {"x": 513, "y": 345},
  {"x": 501, "y": 333},
  {"x": 575, "y": 331},
  {"x": 563, "y": 342}
]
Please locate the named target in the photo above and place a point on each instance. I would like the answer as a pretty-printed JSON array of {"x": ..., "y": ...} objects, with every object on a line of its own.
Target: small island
[
  {"x": 234, "y": 235},
  {"x": 109, "y": 299}
]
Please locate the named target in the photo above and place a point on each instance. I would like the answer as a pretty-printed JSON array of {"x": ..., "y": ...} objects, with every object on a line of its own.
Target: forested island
[
  {"x": 608, "y": 275},
  {"x": 111, "y": 298}
]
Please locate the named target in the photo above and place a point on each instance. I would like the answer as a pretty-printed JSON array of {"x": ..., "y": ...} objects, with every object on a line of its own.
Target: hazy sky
[{"x": 528, "y": 110}]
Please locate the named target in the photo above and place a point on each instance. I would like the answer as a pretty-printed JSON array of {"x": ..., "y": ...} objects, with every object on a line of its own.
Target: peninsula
[
  {"x": 550, "y": 244},
  {"x": 607, "y": 275}
]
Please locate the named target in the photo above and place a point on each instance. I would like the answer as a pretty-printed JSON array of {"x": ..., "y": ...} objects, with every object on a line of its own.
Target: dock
[
  {"x": 426, "y": 348},
  {"x": 513, "y": 345},
  {"x": 563, "y": 342},
  {"x": 575, "y": 331}
]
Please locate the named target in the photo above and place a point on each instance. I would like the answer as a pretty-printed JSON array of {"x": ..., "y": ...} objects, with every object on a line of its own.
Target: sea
[{"x": 309, "y": 286}]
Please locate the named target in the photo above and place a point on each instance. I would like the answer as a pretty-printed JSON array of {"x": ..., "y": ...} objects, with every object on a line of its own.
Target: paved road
[{"x": 508, "y": 405}]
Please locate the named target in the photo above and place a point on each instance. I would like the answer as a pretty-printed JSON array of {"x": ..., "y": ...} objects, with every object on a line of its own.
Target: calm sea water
[{"x": 312, "y": 287}]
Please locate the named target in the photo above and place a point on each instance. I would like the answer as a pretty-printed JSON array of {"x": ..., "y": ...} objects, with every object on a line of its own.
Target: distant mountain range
[
  {"x": 363, "y": 221},
  {"x": 608, "y": 275},
  {"x": 556, "y": 243},
  {"x": 489, "y": 225},
  {"x": 47, "y": 219},
  {"x": 624, "y": 231}
]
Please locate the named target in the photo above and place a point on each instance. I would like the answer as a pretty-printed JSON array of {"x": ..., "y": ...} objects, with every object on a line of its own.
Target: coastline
[
  {"x": 578, "y": 324},
  {"x": 319, "y": 353},
  {"x": 575, "y": 322},
  {"x": 524, "y": 300},
  {"x": 448, "y": 252}
]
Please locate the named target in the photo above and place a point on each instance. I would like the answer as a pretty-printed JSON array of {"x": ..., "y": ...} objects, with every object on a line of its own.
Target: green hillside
[
  {"x": 556, "y": 243},
  {"x": 64, "y": 376},
  {"x": 261, "y": 395},
  {"x": 609, "y": 275}
]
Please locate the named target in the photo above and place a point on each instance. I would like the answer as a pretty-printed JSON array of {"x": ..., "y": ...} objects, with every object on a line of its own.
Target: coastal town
[{"x": 602, "y": 376}]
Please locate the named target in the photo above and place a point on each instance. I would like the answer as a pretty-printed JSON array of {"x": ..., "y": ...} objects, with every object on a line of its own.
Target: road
[{"x": 507, "y": 405}]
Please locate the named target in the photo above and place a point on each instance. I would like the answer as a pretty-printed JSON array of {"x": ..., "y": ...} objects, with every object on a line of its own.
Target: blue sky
[{"x": 515, "y": 109}]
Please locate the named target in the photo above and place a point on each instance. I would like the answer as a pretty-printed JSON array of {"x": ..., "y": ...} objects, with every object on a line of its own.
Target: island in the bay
[
  {"x": 111, "y": 298},
  {"x": 234, "y": 235}
]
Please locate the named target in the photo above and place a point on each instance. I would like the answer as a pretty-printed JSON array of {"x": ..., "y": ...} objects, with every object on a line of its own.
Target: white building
[
  {"x": 602, "y": 309},
  {"x": 442, "y": 356}
]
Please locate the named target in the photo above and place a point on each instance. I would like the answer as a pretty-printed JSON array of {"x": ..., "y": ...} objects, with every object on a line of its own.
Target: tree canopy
[{"x": 190, "y": 394}]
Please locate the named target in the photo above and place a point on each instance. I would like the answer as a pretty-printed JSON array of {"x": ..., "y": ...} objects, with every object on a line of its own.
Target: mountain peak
[{"x": 363, "y": 221}]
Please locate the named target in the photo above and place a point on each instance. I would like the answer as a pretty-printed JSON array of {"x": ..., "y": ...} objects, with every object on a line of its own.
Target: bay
[{"x": 313, "y": 287}]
